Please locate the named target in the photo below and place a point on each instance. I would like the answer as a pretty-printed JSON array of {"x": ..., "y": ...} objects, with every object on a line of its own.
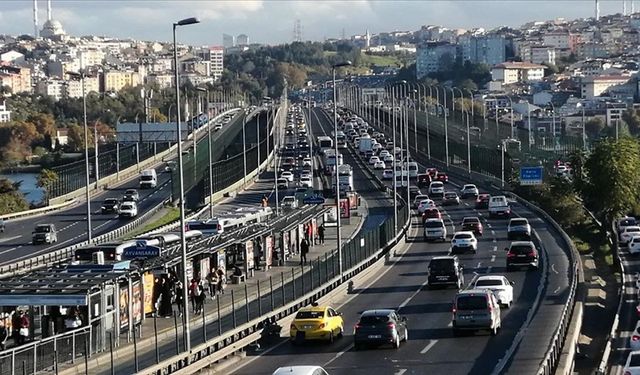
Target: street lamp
[
  {"x": 183, "y": 242},
  {"x": 335, "y": 144},
  {"x": 446, "y": 132}
]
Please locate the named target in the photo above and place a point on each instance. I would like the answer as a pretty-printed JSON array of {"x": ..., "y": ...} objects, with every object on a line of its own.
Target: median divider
[{"x": 38, "y": 211}]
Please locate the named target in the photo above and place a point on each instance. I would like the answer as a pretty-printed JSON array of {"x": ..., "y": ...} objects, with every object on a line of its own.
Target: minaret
[
  {"x": 368, "y": 39},
  {"x": 49, "y": 10},
  {"x": 624, "y": 7},
  {"x": 35, "y": 18},
  {"x": 597, "y": 10}
]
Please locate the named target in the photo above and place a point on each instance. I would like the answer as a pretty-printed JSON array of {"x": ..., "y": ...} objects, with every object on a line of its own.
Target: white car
[
  {"x": 469, "y": 190},
  {"x": 379, "y": 165},
  {"x": 384, "y": 153},
  {"x": 624, "y": 222},
  {"x": 387, "y": 174},
  {"x": 419, "y": 198},
  {"x": 424, "y": 204},
  {"x": 434, "y": 229},
  {"x": 306, "y": 174},
  {"x": 374, "y": 159},
  {"x": 306, "y": 182},
  {"x": 501, "y": 287},
  {"x": 300, "y": 370},
  {"x": 632, "y": 366},
  {"x": 306, "y": 162},
  {"x": 436, "y": 188},
  {"x": 627, "y": 233},
  {"x": 634, "y": 245},
  {"x": 289, "y": 202},
  {"x": 287, "y": 175},
  {"x": 464, "y": 241},
  {"x": 388, "y": 158},
  {"x": 128, "y": 209}
]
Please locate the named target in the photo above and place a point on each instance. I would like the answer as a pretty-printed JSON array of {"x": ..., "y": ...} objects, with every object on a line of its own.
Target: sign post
[{"x": 531, "y": 176}]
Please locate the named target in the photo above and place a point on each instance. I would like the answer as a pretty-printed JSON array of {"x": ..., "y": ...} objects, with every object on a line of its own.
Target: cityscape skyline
[{"x": 233, "y": 17}]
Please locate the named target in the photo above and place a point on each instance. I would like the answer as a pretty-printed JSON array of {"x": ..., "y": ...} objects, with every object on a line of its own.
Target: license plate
[
  {"x": 307, "y": 327},
  {"x": 522, "y": 256},
  {"x": 442, "y": 277},
  {"x": 375, "y": 336}
]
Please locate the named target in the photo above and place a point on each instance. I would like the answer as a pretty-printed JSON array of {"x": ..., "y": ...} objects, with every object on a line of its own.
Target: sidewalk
[{"x": 124, "y": 352}]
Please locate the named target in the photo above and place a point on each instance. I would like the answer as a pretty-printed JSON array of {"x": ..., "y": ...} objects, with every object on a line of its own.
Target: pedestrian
[
  {"x": 4, "y": 331},
  {"x": 222, "y": 280},
  {"x": 304, "y": 249},
  {"x": 212, "y": 280},
  {"x": 199, "y": 297},
  {"x": 179, "y": 298},
  {"x": 305, "y": 229},
  {"x": 321, "y": 234},
  {"x": 257, "y": 255},
  {"x": 265, "y": 201},
  {"x": 25, "y": 324},
  {"x": 193, "y": 288}
]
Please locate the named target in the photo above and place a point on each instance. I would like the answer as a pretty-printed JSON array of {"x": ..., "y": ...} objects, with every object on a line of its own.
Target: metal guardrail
[{"x": 37, "y": 211}]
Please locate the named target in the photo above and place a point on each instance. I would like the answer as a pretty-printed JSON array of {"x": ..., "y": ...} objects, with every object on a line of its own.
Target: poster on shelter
[
  {"x": 136, "y": 302},
  {"x": 268, "y": 251},
  {"x": 222, "y": 260},
  {"x": 204, "y": 267},
  {"x": 248, "y": 256},
  {"x": 285, "y": 245},
  {"x": 147, "y": 289},
  {"x": 124, "y": 307},
  {"x": 345, "y": 211}
]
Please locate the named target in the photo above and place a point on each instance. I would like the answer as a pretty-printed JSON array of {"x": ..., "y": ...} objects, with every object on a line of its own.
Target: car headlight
[{"x": 103, "y": 208}]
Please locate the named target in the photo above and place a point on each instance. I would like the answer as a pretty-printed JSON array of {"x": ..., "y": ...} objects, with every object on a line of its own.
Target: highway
[
  {"x": 15, "y": 242},
  {"x": 526, "y": 327}
]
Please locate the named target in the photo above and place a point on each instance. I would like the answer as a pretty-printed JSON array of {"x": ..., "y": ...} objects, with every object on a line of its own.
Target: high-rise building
[
  {"x": 242, "y": 40},
  {"x": 483, "y": 49},
  {"x": 434, "y": 57},
  {"x": 215, "y": 55},
  {"x": 228, "y": 41}
]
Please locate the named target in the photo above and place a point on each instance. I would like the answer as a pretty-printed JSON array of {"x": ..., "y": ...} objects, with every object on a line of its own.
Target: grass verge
[{"x": 169, "y": 215}]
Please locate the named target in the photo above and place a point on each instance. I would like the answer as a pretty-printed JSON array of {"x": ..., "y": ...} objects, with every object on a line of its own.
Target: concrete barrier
[{"x": 38, "y": 211}]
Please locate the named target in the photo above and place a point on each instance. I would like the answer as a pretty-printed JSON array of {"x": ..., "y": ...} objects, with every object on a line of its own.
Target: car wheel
[
  {"x": 341, "y": 332},
  {"x": 331, "y": 338},
  {"x": 406, "y": 335},
  {"x": 396, "y": 343}
]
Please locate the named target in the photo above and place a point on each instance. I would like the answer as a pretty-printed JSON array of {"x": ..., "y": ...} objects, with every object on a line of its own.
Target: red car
[
  {"x": 432, "y": 172},
  {"x": 431, "y": 213},
  {"x": 483, "y": 200},
  {"x": 472, "y": 224},
  {"x": 442, "y": 177}
]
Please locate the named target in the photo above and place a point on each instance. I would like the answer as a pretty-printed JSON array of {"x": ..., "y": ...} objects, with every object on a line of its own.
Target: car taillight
[
  {"x": 219, "y": 227},
  {"x": 292, "y": 326},
  {"x": 635, "y": 338},
  {"x": 510, "y": 255},
  {"x": 532, "y": 253},
  {"x": 357, "y": 327},
  {"x": 321, "y": 326},
  {"x": 454, "y": 309},
  {"x": 391, "y": 325}
]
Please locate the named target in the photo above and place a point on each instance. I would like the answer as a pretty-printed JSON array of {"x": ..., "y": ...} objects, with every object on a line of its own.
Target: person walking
[
  {"x": 321, "y": 234},
  {"x": 179, "y": 298},
  {"x": 212, "y": 280},
  {"x": 304, "y": 249},
  {"x": 193, "y": 289},
  {"x": 222, "y": 280},
  {"x": 199, "y": 297},
  {"x": 25, "y": 325}
]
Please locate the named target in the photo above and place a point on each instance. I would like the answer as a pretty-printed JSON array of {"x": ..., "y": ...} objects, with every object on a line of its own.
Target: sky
[{"x": 272, "y": 21}]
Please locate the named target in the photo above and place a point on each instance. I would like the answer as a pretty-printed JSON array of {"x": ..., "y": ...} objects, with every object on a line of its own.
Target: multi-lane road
[
  {"x": 71, "y": 223},
  {"x": 401, "y": 284}
]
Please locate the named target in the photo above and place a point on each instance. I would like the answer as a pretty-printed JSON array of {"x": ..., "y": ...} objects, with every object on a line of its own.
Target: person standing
[
  {"x": 304, "y": 249},
  {"x": 212, "y": 280},
  {"x": 321, "y": 234},
  {"x": 193, "y": 289},
  {"x": 222, "y": 280},
  {"x": 4, "y": 331},
  {"x": 199, "y": 297},
  {"x": 179, "y": 298},
  {"x": 24, "y": 331},
  {"x": 257, "y": 255}
]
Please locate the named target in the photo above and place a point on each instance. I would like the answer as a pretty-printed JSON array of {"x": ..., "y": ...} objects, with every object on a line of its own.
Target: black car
[
  {"x": 445, "y": 270},
  {"x": 423, "y": 180},
  {"x": 131, "y": 195},
  {"x": 522, "y": 254},
  {"x": 110, "y": 205},
  {"x": 380, "y": 327}
]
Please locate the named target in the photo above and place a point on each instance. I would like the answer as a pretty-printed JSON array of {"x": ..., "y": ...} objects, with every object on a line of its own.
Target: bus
[
  {"x": 345, "y": 176},
  {"x": 325, "y": 143},
  {"x": 230, "y": 220}
]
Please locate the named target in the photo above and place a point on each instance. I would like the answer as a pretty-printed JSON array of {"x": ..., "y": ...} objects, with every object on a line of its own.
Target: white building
[
  {"x": 434, "y": 57},
  {"x": 214, "y": 54},
  {"x": 163, "y": 80},
  {"x": 14, "y": 57},
  {"x": 52, "y": 87},
  {"x": 5, "y": 115},
  {"x": 73, "y": 88},
  {"x": 593, "y": 87},
  {"x": 513, "y": 72}
]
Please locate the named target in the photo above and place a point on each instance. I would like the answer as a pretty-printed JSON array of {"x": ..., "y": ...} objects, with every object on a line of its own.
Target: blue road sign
[
  {"x": 141, "y": 250},
  {"x": 314, "y": 199},
  {"x": 531, "y": 175}
]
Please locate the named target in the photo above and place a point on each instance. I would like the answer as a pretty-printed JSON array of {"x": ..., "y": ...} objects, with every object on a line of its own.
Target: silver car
[{"x": 476, "y": 309}]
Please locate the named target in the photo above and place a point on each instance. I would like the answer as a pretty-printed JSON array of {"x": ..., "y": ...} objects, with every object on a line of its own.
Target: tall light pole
[
  {"x": 183, "y": 242},
  {"x": 335, "y": 144},
  {"x": 446, "y": 132},
  {"x": 244, "y": 139}
]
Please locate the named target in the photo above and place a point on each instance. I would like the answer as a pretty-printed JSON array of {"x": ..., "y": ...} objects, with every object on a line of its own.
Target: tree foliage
[{"x": 11, "y": 199}]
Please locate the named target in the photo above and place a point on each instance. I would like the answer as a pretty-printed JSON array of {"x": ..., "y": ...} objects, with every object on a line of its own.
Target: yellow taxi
[{"x": 316, "y": 323}]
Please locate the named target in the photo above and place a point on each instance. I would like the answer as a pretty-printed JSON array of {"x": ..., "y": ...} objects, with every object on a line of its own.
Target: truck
[
  {"x": 148, "y": 179},
  {"x": 365, "y": 144}
]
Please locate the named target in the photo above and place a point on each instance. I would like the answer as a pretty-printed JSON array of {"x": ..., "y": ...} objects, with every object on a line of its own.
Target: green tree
[
  {"x": 76, "y": 137},
  {"x": 631, "y": 118},
  {"x": 11, "y": 199},
  {"x": 594, "y": 126},
  {"x": 46, "y": 178},
  {"x": 611, "y": 177}
]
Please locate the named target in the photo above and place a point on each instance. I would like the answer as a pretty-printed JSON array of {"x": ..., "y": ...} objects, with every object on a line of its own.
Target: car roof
[
  {"x": 313, "y": 308},
  {"x": 463, "y": 232},
  {"x": 444, "y": 257},
  {"x": 521, "y": 243},
  {"x": 490, "y": 277},
  {"x": 434, "y": 219},
  {"x": 296, "y": 370},
  {"x": 475, "y": 218},
  {"x": 473, "y": 291},
  {"x": 377, "y": 312}
]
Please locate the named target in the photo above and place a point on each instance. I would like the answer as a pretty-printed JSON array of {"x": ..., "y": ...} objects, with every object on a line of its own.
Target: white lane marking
[
  {"x": 494, "y": 240},
  {"x": 493, "y": 232},
  {"x": 9, "y": 238},
  {"x": 553, "y": 268},
  {"x": 338, "y": 355},
  {"x": 406, "y": 301},
  {"x": 429, "y": 346},
  {"x": 8, "y": 250},
  {"x": 400, "y": 372},
  {"x": 493, "y": 258},
  {"x": 556, "y": 291},
  {"x": 495, "y": 248}
]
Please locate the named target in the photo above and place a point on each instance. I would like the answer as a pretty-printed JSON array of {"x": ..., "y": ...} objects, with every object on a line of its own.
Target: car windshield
[
  {"x": 42, "y": 229},
  {"x": 434, "y": 224},
  {"x": 467, "y": 187},
  {"x": 110, "y": 201},
  {"x": 127, "y": 206},
  {"x": 374, "y": 319},
  {"x": 472, "y": 302},
  {"x": 450, "y": 195},
  {"x": 488, "y": 282},
  {"x": 520, "y": 249},
  {"x": 628, "y": 222},
  {"x": 470, "y": 220},
  {"x": 635, "y": 360},
  {"x": 146, "y": 178},
  {"x": 437, "y": 185},
  {"x": 310, "y": 315},
  {"x": 441, "y": 265},
  {"x": 519, "y": 222}
]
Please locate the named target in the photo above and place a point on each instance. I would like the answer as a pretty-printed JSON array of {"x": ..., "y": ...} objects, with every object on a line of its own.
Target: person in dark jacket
[{"x": 304, "y": 249}]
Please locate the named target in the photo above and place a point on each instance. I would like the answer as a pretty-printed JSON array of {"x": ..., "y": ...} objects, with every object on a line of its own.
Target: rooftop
[{"x": 519, "y": 65}]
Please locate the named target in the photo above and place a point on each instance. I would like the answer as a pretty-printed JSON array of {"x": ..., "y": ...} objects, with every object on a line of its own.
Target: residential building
[
  {"x": 162, "y": 64},
  {"x": 434, "y": 57},
  {"x": 512, "y": 72},
  {"x": 90, "y": 57},
  {"x": 13, "y": 57},
  {"x": 163, "y": 80},
  {"x": 614, "y": 113},
  {"x": 73, "y": 87},
  {"x": 483, "y": 49},
  {"x": 17, "y": 78},
  {"x": 61, "y": 138},
  {"x": 5, "y": 115},
  {"x": 116, "y": 80},
  {"x": 215, "y": 55},
  {"x": 52, "y": 87},
  {"x": 242, "y": 40},
  {"x": 558, "y": 39},
  {"x": 538, "y": 54},
  {"x": 593, "y": 87},
  {"x": 595, "y": 50},
  {"x": 195, "y": 65}
]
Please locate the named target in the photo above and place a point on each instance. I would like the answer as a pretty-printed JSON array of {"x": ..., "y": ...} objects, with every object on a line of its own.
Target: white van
[
  {"x": 148, "y": 179},
  {"x": 413, "y": 169},
  {"x": 499, "y": 206}
]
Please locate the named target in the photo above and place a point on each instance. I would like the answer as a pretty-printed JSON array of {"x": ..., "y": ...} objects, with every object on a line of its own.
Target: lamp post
[
  {"x": 553, "y": 125},
  {"x": 335, "y": 144},
  {"x": 446, "y": 133},
  {"x": 462, "y": 107},
  {"x": 183, "y": 242}
]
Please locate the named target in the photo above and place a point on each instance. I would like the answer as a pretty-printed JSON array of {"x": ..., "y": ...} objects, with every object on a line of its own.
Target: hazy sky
[{"x": 271, "y": 21}]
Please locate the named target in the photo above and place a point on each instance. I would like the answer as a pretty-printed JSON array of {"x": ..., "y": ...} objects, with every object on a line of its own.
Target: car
[
  {"x": 128, "y": 210},
  {"x": 418, "y": 198},
  {"x": 627, "y": 233},
  {"x": 434, "y": 229},
  {"x": 379, "y": 165},
  {"x": 442, "y": 177},
  {"x": 290, "y": 202},
  {"x": 519, "y": 228},
  {"x": 300, "y": 370},
  {"x": 387, "y": 174},
  {"x": 131, "y": 195},
  {"x": 634, "y": 245},
  {"x": 522, "y": 253},
  {"x": 634, "y": 340},
  {"x": 424, "y": 204},
  {"x": 110, "y": 205},
  {"x": 282, "y": 183},
  {"x": 433, "y": 172},
  {"x": 464, "y": 241},
  {"x": 44, "y": 233},
  {"x": 388, "y": 159},
  {"x": 305, "y": 174},
  {"x": 379, "y": 327},
  {"x": 170, "y": 166},
  {"x": 445, "y": 271},
  {"x": 501, "y": 287},
  {"x": 431, "y": 213},
  {"x": 469, "y": 190},
  {"x": 626, "y": 222},
  {"x": 476, "y": 309},
  {"x": 306, "y": 182},
  {"x": 473, "y": 224},
  {"x": 423, "y": 180},
  {"x": 482, "y": 201},
  {"x": 632, "y": 365},
  {"x": 316, "y": 323},
  {"x": 306, "y": 161},
  {"x": 499, "y": 206},
  {"x": 436, "y": 189},
  {"x": 373, "y": 160},
  {"x": 450, "y": 198},
  {"x": 383, "y": 153},
  {"x": 288, "y": 175}
]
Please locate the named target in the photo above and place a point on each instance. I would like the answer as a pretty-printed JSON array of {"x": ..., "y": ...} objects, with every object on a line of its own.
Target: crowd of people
[{"x": 169, "y": 291}]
